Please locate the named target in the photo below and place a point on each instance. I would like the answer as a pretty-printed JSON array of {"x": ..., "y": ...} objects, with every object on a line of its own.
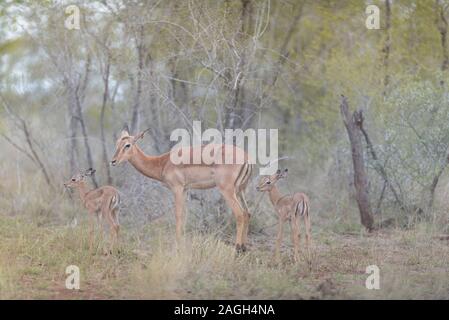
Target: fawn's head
[
  {"x": 125, "y": 145},
  {"x": 266, "y": 183},
  {"x": 78, "y": 178}
]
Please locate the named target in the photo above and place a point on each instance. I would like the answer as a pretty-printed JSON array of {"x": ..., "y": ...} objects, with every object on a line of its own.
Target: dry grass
[{"x": 33, "y": 258}]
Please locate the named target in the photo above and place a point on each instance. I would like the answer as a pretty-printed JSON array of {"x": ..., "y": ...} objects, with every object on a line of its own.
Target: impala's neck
[
  {"x": 275, "y": 195},
  {"x": 82, "y": 189},
  {"x": 147, "y": 165}
]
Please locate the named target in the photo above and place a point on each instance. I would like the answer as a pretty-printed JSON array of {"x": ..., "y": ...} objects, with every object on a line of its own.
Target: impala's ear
[
  {"x": 125, "y": 131},
  {"x": 124, "y": 134},
  {"x": 140, "y": 135},
  {"x": 284, "y": 174}
]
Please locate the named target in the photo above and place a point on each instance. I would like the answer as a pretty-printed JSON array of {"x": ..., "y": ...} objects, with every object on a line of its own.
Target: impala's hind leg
[
  {"x": 239, "y": 213},
  {"x": 246, "y": 218},
  {"x": 280, "y": 235},
  {"x": 295, "y": 231},
  {"x": 115, "y": 227},
  {"x": 91, "y": 230},
  {"x": 308, "y": 230}
]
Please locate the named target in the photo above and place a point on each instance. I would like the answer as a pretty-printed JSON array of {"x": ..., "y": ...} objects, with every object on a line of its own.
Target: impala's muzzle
[{"x": 113, "y": 162}]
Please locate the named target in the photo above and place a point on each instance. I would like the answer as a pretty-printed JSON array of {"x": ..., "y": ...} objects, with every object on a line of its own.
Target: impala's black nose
[{"x": 113, "y": 162}]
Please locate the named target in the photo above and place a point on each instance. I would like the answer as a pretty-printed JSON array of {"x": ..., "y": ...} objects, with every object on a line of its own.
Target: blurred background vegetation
[{"x": 65, "y": 95}]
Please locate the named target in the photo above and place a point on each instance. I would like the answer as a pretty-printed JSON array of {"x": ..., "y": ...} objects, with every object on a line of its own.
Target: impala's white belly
[{"x": 207, "y": 184}]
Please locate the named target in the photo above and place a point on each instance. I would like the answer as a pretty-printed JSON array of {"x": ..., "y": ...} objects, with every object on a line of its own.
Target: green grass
[{"x": 33, "y": 259}]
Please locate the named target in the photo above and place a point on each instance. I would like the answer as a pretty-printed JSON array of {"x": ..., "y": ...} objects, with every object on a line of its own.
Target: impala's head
[
  {"x": 78, "y": 178},
  {"x": 267, "y": 183},
  {"x": 125, "y": 145}
]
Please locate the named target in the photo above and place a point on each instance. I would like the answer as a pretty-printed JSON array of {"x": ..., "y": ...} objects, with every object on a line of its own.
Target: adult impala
[{"x": 230, "y": 179}]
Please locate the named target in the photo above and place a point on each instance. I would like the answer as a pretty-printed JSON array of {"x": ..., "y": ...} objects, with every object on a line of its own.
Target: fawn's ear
[
  {"x": 89, "y": 172},
  {"x": 278, "y": 173}
]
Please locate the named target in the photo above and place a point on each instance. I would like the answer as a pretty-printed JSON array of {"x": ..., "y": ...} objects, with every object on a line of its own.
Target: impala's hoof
[{"x": 240, "y": 248}]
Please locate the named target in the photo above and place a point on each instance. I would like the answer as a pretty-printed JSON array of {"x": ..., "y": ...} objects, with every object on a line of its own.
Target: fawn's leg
[
  {"x": 111, "y": 234},
  {"x": 279, "y": 239},
  {"x": 308, "y": 230},
  {"x": 294, "y": 223},
  {"x": 116, "y": 226},
  {"x": 108, "y": 215},
  {"x": 100, "y": 217},
  {"x": 91, "y": 230}
]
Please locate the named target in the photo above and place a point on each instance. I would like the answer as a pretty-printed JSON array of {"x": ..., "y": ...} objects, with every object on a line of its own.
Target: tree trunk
[
  {"x": 102, "y": 115},
  {"x": 89, "y": 158},
  {"x": 387, "y": 46},
  {"x": 435, "y": 181},
  {"x": 379, "y": 168},
  {"x": 235, "y": 115},
  {"x": 140, "y": 66},
  {"x": 72, "y": 132},
  {"x": 442, "y": 28},
  {"x": 360, "y": 176}
]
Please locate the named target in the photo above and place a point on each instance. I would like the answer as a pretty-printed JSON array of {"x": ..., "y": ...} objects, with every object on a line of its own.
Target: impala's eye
[
  {"x": 73, "y": 179},
  {"x": 268, "y": 182},
  {"x": 127, "y": 145}
]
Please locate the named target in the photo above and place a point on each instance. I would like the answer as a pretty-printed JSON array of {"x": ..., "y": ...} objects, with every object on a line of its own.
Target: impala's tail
[
  {"x": 302, "y": 208},
  {"x": 114, "y": 202}
]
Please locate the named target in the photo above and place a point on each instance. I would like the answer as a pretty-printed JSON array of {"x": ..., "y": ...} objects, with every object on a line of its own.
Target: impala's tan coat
[
  {"x": 288, "y": 207},
  {"x": 230, "y": 179},
  {"x": 102, "y": 203}
]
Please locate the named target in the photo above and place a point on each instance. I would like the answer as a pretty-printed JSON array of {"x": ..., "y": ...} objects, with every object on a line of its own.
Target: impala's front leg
[
  {"x": 179, "y": 211},
  {"x": 279, "y": 239}
]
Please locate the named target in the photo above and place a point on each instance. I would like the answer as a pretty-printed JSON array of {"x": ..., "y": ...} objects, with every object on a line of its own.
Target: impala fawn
[
  {"x": 101, "y": 203},
  {"x": 290, "y": 207}
]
